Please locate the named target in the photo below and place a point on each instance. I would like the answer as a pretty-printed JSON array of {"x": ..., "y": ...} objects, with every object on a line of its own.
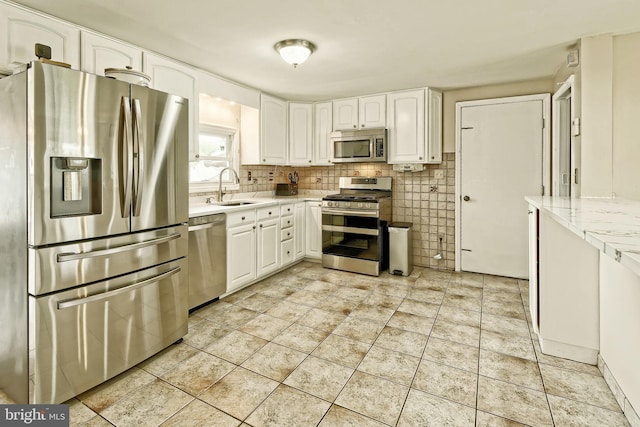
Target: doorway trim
[
  {"x": 566, "y": 90},
  {"x": 546, "y": 154}
]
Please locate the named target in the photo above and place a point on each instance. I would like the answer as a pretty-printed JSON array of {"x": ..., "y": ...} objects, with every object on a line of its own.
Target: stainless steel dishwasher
[{"x": 207, "y": 258}]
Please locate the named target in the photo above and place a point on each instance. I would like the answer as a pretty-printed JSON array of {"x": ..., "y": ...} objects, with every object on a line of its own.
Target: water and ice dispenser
[{"x": 76, "y": 186}]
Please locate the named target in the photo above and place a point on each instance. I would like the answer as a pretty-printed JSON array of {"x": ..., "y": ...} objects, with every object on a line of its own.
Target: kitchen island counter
[
  {"x": 589, "y": 287},
  {"x": 610, "y": 225}
]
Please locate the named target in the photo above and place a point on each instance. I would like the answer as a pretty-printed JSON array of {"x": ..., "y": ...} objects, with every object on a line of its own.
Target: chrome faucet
[{"x": 220, "y": 193}]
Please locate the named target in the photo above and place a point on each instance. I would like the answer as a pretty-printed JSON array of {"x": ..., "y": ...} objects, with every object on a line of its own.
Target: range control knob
[
  {"x": 361, "y": 205},
  {"x": 347, "y": 204}
]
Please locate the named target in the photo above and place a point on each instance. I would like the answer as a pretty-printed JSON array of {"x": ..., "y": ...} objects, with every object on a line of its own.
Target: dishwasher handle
[{"x": 202, "y": 226}]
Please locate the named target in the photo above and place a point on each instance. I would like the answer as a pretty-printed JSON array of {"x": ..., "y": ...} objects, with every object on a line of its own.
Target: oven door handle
[
  {"x": 105, "y": 295},
  {"x": 352, "y": 230},
  {"x": 348, "y": 212}
]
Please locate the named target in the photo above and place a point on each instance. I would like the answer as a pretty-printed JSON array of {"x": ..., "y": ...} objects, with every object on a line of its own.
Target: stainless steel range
[{"x": 354, "y": 225}]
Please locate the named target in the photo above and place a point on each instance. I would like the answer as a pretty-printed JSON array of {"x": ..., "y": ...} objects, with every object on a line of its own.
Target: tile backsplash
[{"x": 426, "y": 199}]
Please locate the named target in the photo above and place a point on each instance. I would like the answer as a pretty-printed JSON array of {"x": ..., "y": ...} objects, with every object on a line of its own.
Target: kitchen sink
[{"x": 234, "y": 203}]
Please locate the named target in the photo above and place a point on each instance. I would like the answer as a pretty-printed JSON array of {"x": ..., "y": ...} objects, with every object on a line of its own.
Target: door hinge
[{"x": 542, "y": 191}]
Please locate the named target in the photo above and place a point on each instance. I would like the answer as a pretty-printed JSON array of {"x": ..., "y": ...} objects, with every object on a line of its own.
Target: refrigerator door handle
[
  {"x": 118, "y": 249},
  {"x": 139, "y": 155},
  {"x": 126, "y": 156},
  {"x": 105, "y": 295}
]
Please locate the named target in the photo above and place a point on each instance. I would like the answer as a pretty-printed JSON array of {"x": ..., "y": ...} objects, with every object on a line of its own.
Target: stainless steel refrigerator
[{"x": 93, "y": 213}]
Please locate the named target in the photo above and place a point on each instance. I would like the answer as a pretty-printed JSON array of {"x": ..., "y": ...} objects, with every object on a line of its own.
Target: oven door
[{"x": 352, "y": 241}]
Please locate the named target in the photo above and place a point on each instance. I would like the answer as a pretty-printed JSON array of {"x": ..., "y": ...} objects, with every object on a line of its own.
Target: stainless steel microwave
[{"x": 365, "y": 145}]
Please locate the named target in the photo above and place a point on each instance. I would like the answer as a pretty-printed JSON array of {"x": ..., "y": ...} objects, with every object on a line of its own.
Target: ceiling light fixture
[{"x": 294, "y": 51}]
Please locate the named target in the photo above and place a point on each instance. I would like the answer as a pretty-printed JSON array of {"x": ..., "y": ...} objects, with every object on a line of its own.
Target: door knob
[{"x": 466, "y": 198}]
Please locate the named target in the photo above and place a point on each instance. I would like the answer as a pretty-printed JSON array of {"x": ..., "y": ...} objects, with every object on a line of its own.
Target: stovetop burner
[{"x": 371, "y": 197}]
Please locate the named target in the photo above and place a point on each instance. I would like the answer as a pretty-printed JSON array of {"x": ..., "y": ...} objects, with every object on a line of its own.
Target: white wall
[
  {"x": 597, "y": 116},
  {"x": 626, "y": 116}
]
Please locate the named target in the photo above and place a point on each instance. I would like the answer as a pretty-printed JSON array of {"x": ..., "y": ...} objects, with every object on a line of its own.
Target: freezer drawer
[
  {"x": 61, "y": 267},
  {"x": 82, "y": 337}
]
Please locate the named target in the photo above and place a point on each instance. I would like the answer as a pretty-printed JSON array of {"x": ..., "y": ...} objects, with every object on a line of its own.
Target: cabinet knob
[
  {"x": 260, "y": 225},
  {"x": 419, "y": 158},
  {"x": 264, "y": 160},
  {"x": 288, "y": 252},
  {"x": 243, "y": 218},
  {"x": 197, "y": 156},
  {"x": 288, "y": 234},
  {"x": 309, "y": 161},
  {"x": 362, "y": 125},
  {"x": 269, "y": 213},
  {"x": 466, "y": 198},
  {"x": 354, "y": 126}
]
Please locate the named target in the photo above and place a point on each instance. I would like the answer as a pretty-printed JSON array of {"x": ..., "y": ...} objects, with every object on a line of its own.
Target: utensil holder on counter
[{"x": 287, "y": 189}]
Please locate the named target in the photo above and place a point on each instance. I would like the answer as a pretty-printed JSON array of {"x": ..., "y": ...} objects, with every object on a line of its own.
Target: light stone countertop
[
  {"x": 610, "y": 225},
  {"x": 199, "y": 207}
]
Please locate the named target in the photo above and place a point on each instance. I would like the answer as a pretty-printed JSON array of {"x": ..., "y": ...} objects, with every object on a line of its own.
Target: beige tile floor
[{"x": 312, "y": 346}]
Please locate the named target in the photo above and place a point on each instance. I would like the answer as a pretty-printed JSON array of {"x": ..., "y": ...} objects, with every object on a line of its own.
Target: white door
[{"x": 500, "y": 161}]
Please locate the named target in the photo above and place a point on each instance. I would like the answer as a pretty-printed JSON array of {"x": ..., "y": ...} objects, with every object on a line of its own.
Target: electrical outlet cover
[{"x": 439, "y": 174}]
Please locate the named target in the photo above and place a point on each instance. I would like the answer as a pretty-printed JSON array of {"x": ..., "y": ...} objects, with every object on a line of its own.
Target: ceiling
[{"x": 363, "y": 46}]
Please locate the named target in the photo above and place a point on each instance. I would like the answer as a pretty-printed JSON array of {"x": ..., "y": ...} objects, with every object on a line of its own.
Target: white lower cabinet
[
  {"x": 313, "y": 237},
  {"x": 241, "y": 263},
  {"x": 299, "y": 230},
  {"x": 268, "y": 246}
]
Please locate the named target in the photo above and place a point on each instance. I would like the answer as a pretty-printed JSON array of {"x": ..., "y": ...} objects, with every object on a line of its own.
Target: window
[{"x": 217, "y": 149}]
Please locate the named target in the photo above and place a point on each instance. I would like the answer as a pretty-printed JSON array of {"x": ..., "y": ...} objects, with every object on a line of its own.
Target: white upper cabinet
[
  {"x": 406, "y": 127},
  {"x": 273, "y": 131},
  {"x": 372, "y": 111},
  {"x": 345, "y": 114},
  {"x": 178, "y": 79},
  {"x": 20, "y": 30},
  {"x": 414, "y": 120},
  {"x": 300, "y": 134},
  {"x": 100, "y": 52},
  {"x": 359, "y": 113},
  {"x": 323, "y": 125},
  {"x": 434, "y": 126}
]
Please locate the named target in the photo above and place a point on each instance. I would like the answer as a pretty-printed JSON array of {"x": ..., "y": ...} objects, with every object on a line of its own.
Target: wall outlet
[{"x": 438, "y": 174}]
